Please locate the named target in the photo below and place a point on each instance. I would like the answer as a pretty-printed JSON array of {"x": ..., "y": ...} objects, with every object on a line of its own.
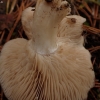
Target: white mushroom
[{"x": 43, "y": 68}]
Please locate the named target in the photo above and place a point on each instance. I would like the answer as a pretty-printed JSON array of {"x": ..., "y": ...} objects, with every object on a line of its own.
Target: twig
[
  {"x": 93, "y": 95},
  {"x": 87, "y": 7},
  {"x": 97, "y": 18},
  {"x": 94, "y": 61},
  {"x": 13, "y": 5},
  {"x": 91, "y": 29},
  {"x": 2, "y": 36},
  {"x": 20, "y": 34},
  {"x": 7, "y": 7},
  {"x": 15, "y": 24},
  {"x": 95, "y": 15},
  {"x": 94, "y": 49}
]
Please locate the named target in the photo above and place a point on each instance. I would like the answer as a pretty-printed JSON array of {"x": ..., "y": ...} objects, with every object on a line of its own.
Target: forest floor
[{"x": 11, "y": 27}]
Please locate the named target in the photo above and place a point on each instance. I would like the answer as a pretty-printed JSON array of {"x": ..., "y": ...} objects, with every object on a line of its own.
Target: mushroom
[{"x": 43, "y": 68}]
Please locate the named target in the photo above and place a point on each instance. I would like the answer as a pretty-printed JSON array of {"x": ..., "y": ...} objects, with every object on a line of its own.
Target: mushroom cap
[
  {"x": 71, "y": 25},
  {"x": 71, "y": 29},
  {"x": 25, "y": 75}
]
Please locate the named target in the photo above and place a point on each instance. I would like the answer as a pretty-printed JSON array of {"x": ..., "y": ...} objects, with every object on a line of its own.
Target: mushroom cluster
[{"x": 52, "y": 64}]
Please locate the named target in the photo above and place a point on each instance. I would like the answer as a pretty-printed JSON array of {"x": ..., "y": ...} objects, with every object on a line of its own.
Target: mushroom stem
[{"x": 45, "y": 25}]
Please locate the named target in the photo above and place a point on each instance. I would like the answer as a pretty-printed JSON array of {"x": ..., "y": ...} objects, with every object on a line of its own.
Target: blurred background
[{"x": 11, "y": 28}]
